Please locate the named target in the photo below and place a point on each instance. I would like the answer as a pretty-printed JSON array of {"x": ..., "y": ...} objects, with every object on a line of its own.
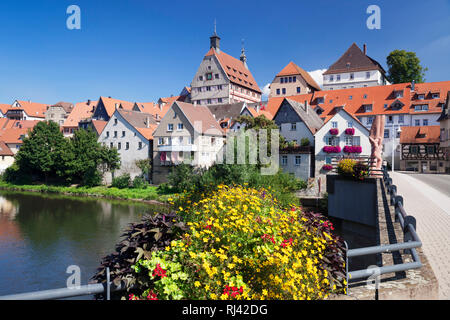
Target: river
[{"x": 42, "y": 235}]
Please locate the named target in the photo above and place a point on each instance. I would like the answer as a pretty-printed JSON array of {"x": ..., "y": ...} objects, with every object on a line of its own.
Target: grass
[{"x": 148, "y": 193}]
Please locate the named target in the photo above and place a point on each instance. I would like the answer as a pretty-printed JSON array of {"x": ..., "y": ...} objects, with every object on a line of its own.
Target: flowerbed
[
  {"x": 242, "y": 245},
  {"x": 352, "y": 149},
  {"x": 350, "y": 131},
  {"x": 332, "y": 149},
  {"x": 334, "y": 131},
  {"x": 352, "y": 169}
]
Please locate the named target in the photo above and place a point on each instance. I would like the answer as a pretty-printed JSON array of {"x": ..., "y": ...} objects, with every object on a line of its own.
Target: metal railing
[
  {"x": 70, "y": 292},
  {"x": 410, "y": 244}
]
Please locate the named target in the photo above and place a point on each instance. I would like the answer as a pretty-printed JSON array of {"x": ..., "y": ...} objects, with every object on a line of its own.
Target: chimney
[
  {"x": 89, "y": 102},
  {"x": 365, "y": 49},
  {"x": 148, "y": 122},
  {"x": 413, "y": 84},
  {"x": 306, "y": 106}
]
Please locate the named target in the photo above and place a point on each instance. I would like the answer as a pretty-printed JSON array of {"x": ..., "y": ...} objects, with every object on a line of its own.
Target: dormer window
[
  {"x": 320, "y": 100},
  {"x": 398, "y": 94},
  {"x": 368, "y": 108},
  {"x": 421, "y": 96},
  {"x": 435, "y": 95}
]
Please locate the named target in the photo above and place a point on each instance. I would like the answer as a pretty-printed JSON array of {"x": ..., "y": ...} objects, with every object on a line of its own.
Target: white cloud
[
  {"x": 265, "y": 92},
  {"x": 317, "y": 76}
]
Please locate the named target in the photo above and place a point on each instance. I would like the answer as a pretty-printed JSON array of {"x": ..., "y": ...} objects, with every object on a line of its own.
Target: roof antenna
[{"x": 215, "y": 25}]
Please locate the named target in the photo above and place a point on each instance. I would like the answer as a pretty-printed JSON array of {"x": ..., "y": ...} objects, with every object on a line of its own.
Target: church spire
[
  {"x": 215, "y": 39},
  {"x": 243, "y": 57}
]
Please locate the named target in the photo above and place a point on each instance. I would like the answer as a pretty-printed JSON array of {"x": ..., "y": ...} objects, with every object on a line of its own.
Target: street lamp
[{"x": 399, "y": 130}]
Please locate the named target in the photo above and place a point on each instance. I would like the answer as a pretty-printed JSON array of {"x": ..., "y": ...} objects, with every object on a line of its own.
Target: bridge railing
[
  {"x": 410, "y": 244},
  {"x": 70, "y": 292}
]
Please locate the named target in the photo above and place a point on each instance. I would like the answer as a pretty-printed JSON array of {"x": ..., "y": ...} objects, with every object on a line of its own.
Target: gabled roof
[
  {"x": 259, "y": 109},
  {"x": 110, "y": 104},
  {"x": 293, "y": 69},
  {"x": 32, "y": 109},
  {"x": 354, "y": 60},
  {"x": 81, "y": 111},
  {"x": 99, "y": 125},
  {"x": 426, "y": 134},
  {"x": 199, "y": 113},
  {"x": 329, "y": 117},
  {"x": 226, "y": 111},
  {"x": 67, "y": 106},
  {"x": 306, "y": 113},
  {"x": 4, "y": 150},
  {"x": 157, "y": 110},
  {"x": 141, "y": 121},
  {"x": 235, "y": 70},
  {"x": 4, "y": 107}
]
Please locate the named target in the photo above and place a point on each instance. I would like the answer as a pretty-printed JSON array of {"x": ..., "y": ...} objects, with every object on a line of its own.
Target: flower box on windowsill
[
  {"x": 331, "y": 149},
  {"x": 327, "y": 167},
  {"x": 352, "y": 149},
  {"x": 334, "y": 131},
  {"x": 350, "y": 131}
]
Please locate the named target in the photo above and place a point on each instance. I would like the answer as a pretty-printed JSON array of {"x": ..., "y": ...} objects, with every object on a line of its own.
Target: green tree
[
  {"x": 258, "y": 123},
  {"x": 404, "y": 67},
  {"x": 41, "y": 152},
  {"x": 88, "y": 157}
]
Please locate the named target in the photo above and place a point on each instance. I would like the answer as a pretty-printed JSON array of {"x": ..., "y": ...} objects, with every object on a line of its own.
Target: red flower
[{"x": 158, "y": 271}]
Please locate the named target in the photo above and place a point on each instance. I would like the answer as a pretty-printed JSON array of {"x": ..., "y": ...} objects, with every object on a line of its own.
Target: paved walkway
[{"x": 431, "y": 208}]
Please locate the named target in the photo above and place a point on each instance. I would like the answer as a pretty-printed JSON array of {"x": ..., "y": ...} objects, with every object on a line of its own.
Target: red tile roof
[
  {"x": 12, "y": 130},
  {"x": 99, "y": 125},
  {"x": 4, "y": 150},
  {"x": 235, "y": 70},
  {"x": 201, "y": 114},
  {"x": 81, "y": 111},
  {"x": 293, "y": 69},
  {"x": 426, "y": 134},
  {"x": 354, "y": 99},
  {"x": 32, "y": 109},
  {"x": 110, "y": 104}
]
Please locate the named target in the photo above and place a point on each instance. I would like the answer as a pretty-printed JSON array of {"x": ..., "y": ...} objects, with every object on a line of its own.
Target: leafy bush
[
  {"x": 184, "y": 178},
  {"x": 121, "y": 182},
  {"x": 242, "y": 245},
  {"x": 304, "y": 142},
  {"x": 139, "y": 182},
  {"x": 140, "y": 240}
]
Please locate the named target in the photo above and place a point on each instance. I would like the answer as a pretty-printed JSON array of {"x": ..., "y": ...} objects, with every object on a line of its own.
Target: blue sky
[{"x": 140, "y": 50}]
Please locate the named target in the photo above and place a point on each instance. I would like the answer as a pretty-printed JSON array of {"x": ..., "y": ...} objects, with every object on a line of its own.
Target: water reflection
[{"x": 41, "y": 235}]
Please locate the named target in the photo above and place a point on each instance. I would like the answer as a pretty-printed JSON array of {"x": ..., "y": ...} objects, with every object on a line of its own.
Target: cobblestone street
[{"x": 431, "y": 208}]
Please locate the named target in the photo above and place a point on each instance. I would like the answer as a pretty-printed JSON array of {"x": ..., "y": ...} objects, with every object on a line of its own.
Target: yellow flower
[{"x": 197, "y": 284}]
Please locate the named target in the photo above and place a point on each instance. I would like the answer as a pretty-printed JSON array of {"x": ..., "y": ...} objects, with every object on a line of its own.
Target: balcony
[{"x": 172, "y": 147}]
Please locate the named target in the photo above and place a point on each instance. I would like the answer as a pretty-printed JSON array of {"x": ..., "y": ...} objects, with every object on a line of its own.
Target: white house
[
  {"x": 186, "y": 134},
  {"x": 130, "y": 132},
  {"x": 354, "y": 69},
  {"x": 297, "y": 122},
  {"x": 341, "y": 135}
]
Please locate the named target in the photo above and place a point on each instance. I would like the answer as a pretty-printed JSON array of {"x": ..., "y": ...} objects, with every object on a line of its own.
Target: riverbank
[{"x": 149, "y": 194}]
